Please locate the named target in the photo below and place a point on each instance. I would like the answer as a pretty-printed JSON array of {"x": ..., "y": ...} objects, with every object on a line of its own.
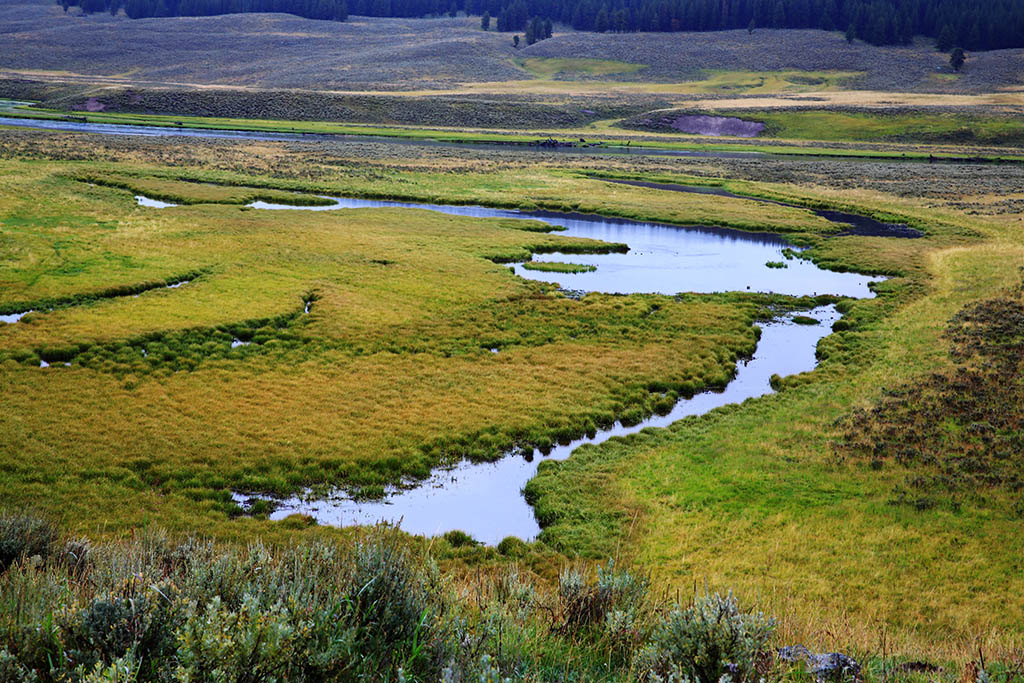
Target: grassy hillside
[{"x": 279, "y": 51}]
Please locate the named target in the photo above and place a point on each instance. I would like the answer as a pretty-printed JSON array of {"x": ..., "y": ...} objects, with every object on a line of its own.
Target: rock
[
  {"x": 919, "y": 666},
  {"x": 830, "y": 666}
]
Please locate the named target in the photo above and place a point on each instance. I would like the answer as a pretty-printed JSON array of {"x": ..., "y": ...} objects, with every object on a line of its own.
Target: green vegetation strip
[
  {"x": 484, "y": 137},
  {"x": 556, "y": 267}
]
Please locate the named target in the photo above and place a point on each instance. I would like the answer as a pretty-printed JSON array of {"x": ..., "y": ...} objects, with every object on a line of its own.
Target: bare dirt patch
[{"x": 706, "y": 125}]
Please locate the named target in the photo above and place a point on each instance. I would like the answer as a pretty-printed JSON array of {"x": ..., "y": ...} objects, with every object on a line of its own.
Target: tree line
[
  {"x": 971, "y": 24},
  {"x": 335, "y": 10}
]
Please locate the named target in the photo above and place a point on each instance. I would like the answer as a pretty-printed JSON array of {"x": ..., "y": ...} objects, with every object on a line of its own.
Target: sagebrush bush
[
  {"x": 702, "y": 643},
  {"x": 612, "y": 602},
  {"x": 24, "y": 535},
  {"x": 376, "y": 609},
  {"x": 153, "y": 610}
]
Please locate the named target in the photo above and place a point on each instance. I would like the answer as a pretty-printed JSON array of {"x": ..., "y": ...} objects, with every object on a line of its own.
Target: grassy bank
[
  {"x": 356, "y": 323},
  {"x": 894, "y": 125},
  {"x": 600, "y": 137},
  {"x": 766, "y": 496},
  {"x": 758, "y": 497},
  {"x": 375, "y": 608}
]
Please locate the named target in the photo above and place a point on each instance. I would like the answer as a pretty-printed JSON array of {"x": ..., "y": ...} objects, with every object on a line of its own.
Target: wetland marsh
[{"x": 323, "y": 351}]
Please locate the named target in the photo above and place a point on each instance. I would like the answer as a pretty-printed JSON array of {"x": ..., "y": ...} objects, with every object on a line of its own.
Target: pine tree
[
  {"x": 851, "y": 33},
  {"x": 957, "y": 58},
  {"x": 485, "y": 21},
  {"x": 945, "y": 39},
  {"x": 779, "y": 16}
]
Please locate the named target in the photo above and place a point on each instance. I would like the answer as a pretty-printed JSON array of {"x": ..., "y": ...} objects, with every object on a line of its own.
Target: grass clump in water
[{"x": 557, "y": 267}]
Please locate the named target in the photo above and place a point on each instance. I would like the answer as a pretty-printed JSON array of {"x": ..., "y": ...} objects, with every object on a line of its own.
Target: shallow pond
[
  {"x": 10, "y": 318},
  {"x": 664, "y": 259}
]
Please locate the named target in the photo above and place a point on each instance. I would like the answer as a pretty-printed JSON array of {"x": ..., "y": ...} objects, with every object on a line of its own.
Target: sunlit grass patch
[
  {"x": 762, "y": 82},
  {"x": 232, "y": 382},
  {"x": 549, "y": 67},
  {"x": 184, "y": 192}
]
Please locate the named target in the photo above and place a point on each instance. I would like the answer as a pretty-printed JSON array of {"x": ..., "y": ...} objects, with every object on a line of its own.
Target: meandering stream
[{"x": 485, "y": 500}]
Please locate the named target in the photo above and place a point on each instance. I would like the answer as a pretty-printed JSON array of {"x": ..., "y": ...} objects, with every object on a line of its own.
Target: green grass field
[
  {"x": 390, "y": 373},
  {"x": 549, "y": 67},
  {"x": 795, "y": 133},
  {"x": 402, "y": 301},
  {"x": 921, "y": 128}
]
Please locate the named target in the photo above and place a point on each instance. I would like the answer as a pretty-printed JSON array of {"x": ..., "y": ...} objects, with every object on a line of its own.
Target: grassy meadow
[
  {"x": 387, "y": 375},
  {"x": 832, "y": 125},
  {"x": 847, "y": 548},
  {"x": 889, "y": 557},
  {"x": 828, "y": 133}
]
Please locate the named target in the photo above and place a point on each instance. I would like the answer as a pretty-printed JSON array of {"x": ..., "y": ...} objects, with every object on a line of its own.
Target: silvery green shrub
[
  {"x": 612, "y": 602},
  {"x": 711, "y": 639}
]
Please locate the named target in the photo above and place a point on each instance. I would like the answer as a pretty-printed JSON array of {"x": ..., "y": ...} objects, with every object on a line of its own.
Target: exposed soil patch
[{"x": 712, "y": 125}]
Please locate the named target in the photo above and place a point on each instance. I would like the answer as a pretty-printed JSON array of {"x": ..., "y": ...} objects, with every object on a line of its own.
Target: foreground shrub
[
  {"x": 23, "y": 535},
  {"x": 151, "y": 610},
  {"x": 610, "y": 611},
  {"x": 376, "y": 609},
  {"x": 701, "y": 643}
]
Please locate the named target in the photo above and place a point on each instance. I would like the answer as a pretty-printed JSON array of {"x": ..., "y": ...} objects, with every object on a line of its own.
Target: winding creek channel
[{"x": 485, "y": 499}]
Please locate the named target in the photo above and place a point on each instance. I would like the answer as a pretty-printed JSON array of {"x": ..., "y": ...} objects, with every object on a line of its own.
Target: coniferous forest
[{"x": 973, "y": 25}]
